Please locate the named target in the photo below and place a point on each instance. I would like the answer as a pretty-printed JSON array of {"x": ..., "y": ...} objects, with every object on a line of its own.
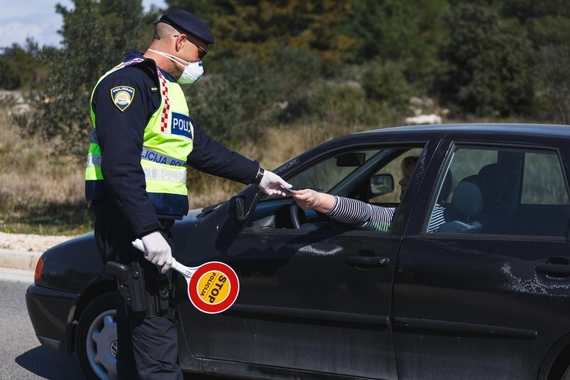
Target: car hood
[{"x": 75, "y": 264}]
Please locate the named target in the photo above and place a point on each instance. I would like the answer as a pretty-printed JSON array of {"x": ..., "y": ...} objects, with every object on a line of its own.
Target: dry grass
[
  {"x": 39, "y": 192},
  {"x": 42, "y": 193}
]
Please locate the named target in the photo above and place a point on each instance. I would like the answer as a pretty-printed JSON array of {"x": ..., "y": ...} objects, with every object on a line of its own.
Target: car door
[
  {"x": 314, "y": 300},
  {"x": 486, "y": 302}
]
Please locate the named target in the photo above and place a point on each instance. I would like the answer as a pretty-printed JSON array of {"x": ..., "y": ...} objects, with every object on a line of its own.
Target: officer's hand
[
  {"x": 272, "y": 184},
  {"x": 157, "y": 250}
]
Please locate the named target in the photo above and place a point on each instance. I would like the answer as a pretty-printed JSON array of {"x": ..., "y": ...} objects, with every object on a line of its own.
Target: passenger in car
[{"x": 364, "y": 215}]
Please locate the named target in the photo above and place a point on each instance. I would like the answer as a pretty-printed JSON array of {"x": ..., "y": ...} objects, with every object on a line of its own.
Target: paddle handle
[
  {"x": 138, "y": 244},
  {"x": 182, "y": 269}
]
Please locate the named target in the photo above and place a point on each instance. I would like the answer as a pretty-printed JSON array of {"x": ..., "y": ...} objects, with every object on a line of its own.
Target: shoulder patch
[{"x": 122, "y": 96}]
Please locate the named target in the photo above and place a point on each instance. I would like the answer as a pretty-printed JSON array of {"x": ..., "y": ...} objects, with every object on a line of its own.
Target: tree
[
  {"x": 236, "y": 104},
  {"x": 525, "y": 10},
  {"x": 489, "y": 68},
  {"x": 9, "y": 76},
  {"x": 252, "y": 28},
  {"x": 547, "y": 22},
  {"x": 96, "y": 36},
  {"x": 24, "y": 64},
  {"x": 404, "y": 31},
  {"x": 386, "y": 83},
  {"x": 553, "y": 72}
]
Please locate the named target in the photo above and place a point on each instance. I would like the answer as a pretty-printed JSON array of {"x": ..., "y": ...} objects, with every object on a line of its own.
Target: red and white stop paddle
[{"x": 212, "y": 287}]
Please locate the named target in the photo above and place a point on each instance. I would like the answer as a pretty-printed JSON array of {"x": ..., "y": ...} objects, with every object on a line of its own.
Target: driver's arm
[
  {"x": 363, "y": 215},
  {"x": 346, "y": 210},
  {"x": 321, "y": 202}
]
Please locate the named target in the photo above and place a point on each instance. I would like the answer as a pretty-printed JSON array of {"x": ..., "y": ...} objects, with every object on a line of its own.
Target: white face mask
[{"x": 192, "y": 70}]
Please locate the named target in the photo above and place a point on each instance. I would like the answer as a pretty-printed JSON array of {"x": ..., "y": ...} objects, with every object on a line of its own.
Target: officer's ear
[{"x": 181, "y": 40}]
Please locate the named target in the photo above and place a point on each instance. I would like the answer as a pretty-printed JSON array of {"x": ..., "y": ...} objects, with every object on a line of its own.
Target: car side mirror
[
  {"x": 237, "y": 209},
  {"x": 381, "y": 184}
]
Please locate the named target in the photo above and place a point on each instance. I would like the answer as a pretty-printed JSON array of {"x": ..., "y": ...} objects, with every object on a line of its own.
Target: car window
[
  {"x": 543, "y": 182},
  {"x": 394, "y": 168},
  {"x": 328, "y": 173},
  {"x": 501, "y": 190},
  {"x": 350, "y": 173},
  {"x": 369, "y": 175}
]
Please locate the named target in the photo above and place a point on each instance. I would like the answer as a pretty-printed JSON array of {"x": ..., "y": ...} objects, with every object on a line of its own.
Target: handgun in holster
[{"x": 131, "y": 283}]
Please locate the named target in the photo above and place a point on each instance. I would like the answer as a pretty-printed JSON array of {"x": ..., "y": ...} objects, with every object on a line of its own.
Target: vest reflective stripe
[
  {"x": 167, "y": 142},
  {"x": 162, "y": 174},
  {"x": 93, "y": 160},
  {"x": 93, "y": 165}
]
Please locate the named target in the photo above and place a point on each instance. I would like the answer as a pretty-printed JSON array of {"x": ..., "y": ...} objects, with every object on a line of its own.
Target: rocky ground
[{"x": 29, "y": 243}]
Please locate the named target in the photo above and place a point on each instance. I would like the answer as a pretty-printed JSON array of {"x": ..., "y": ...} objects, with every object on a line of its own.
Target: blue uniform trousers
[{"x": 147, "y": 348}]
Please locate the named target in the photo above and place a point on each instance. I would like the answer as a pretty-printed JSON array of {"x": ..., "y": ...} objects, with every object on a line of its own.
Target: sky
[{"x": 37, "y": 19}]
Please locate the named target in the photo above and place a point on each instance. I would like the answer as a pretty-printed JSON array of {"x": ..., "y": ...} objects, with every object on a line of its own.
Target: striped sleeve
[
  {"x": 437, "y": 219},
  {"x": 439, "y": 216},
  {"x": 361, "y": 214}
]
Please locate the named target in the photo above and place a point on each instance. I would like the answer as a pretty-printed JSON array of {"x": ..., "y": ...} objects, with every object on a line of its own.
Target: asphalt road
[{"x": 23, "y": 358}]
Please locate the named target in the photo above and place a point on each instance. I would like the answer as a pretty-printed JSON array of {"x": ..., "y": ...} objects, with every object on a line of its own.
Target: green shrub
[
  {"x": 488, "y": 69},
  {"x": 386, "y": 83},
  {"x": 236, "y": 104},
  {"x": 9, "y": 75},
  {"x": 342, "y": 104},
  {"x": 553, "y": 82},
  {"x": 296, "y": 71}
]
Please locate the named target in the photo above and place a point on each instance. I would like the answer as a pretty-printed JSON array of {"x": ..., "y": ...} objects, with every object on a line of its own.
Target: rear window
[
  {"x": 543, "y": 180},
  {"x": 502, "y": 191}
]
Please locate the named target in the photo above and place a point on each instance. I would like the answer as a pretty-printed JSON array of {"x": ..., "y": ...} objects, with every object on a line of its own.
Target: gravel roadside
[{"x": 29, "y": 243}]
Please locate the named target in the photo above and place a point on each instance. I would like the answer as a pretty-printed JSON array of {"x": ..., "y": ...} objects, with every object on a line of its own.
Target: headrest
[
  {"x": 468, "y": 197},
  {"x": 501, "y": 181}
]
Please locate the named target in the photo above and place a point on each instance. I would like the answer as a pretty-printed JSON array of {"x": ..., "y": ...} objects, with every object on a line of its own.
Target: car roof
[
  {"x": 532, "y": 134},
  {"x": 479, "y": 128}
]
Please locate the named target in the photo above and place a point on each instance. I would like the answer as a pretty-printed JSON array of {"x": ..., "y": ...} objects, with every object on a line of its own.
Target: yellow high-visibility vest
[{"x": 167, "y": 142}]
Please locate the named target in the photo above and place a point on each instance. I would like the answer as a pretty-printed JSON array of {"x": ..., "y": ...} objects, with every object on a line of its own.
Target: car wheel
[{"x": 96, "y": 338}]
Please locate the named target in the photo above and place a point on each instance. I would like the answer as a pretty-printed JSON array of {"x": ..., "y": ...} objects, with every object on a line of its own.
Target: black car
[{"x": 483, "y": 296}]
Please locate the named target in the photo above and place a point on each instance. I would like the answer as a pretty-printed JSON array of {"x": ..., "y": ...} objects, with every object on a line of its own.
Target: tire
[{"x": 96, "y": 338}]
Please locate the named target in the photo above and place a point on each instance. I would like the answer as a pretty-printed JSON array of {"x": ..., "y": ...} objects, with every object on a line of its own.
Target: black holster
[
  {"x": 131, "y": 284},
  {"x": 144, "y": 297}
]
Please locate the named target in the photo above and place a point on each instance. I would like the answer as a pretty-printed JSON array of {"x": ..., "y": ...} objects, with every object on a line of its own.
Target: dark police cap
[{"x": 186, "y": 22}]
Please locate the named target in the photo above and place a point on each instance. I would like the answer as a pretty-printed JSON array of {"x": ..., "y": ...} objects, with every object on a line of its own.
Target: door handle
[
  {"x": 369, "y": 261},
  {"x": 554, "y": 269}
]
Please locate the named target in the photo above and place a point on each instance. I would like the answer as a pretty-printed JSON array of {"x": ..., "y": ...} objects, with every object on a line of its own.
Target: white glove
[
  {"x": 272, "y": 184},
  {"x": 157, "y": 250}
]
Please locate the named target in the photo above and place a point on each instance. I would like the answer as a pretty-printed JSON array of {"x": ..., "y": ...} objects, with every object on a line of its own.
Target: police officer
[{"x": 142, "y": 139}]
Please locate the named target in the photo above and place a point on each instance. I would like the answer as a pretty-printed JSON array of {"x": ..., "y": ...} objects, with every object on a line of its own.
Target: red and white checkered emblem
[{"x": 166, "y": 109}]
